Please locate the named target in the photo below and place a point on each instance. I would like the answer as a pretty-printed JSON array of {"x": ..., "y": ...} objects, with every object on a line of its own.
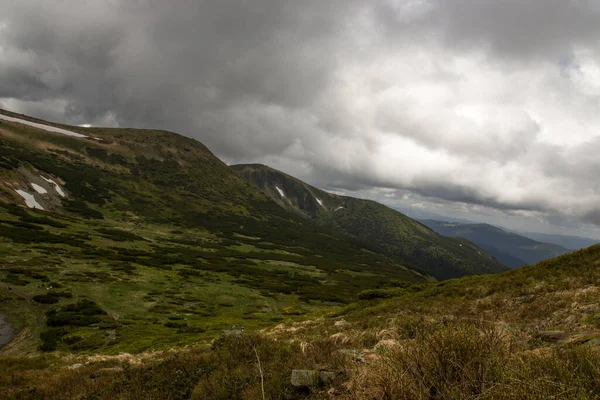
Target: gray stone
[
  {"x": 305, "y": 378},
  {"x": 590, "y": 309},
  {"x": 327, "y": 377},
  {"x": 551, "y": 336},
  {"x": 351, "y": 353},
  {"x": 6, "y": 331}
]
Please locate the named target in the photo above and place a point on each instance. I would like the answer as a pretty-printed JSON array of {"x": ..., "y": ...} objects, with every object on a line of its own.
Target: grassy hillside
[
  {"x": 529, "y": 333},
  {"x": 383, "y": 228},
  {"x": 507, "y": 247},
  {"x": 147, "y": 240}
]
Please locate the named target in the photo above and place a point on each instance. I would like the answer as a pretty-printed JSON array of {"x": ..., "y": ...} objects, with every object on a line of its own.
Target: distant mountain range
[
  {"x": 507, "y": 247},
  {"x": 383, "y": 229},
  {"x": 569, "y": 242}
]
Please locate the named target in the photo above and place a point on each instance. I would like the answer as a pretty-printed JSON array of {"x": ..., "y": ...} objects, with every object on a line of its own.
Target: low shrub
[{"x": 82, "y": 313}]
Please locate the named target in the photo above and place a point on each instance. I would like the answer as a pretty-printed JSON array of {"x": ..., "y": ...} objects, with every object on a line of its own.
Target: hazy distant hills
[
  {"x": 509, "y": 248},
  {"x": 383, "y": 228},
  {"x": 569, "y": 242}
]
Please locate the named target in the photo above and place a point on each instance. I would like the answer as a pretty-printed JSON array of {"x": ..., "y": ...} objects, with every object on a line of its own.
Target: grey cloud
[
  {"x": 523, "y": 29},
  {"x": 593, "y": 216},
  {"x": 302, "y": 86}
]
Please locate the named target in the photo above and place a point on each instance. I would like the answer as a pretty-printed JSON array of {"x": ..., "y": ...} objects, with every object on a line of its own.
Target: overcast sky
[{"x": 487, "y": 110}]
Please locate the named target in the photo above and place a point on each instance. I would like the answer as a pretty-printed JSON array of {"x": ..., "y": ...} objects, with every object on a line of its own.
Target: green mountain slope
[
  {"x": 140, "y": 239},
  {"x": 507, "y": 247},
  {"x": 385, "y": 229},
  {"x": 530, "y": 333}
]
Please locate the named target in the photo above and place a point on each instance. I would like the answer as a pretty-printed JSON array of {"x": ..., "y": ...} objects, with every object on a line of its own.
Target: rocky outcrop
[{"x": 310, "y": 378}]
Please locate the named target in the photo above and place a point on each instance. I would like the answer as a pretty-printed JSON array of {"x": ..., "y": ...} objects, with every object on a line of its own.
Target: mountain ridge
[
  {"x": 156, "y": 217},
  {"x": 508, "y": 247},
  {"x": 389, "y": 230}
]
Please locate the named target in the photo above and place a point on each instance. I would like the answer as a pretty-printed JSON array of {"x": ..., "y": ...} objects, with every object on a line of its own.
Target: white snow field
[
  {"x": 42, "y": 126},
  {"x": 29, "y": 199},
  {"x": 38, "y": 188},
  {"x": 56, "y": 186}
]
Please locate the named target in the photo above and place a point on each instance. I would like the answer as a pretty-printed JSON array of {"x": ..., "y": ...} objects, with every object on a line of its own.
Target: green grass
[
  {"x": 478, "y": 337},
  {"x": 140, "y": 279}
]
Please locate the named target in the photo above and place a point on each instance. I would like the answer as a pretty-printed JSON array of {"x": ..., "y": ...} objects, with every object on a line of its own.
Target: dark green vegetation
[
  {"x": 382, "y": 228},
  {"x": 167, "y": 242},
  {"x": 508, "y": 248},
  {"x": 531, "y": 333}
]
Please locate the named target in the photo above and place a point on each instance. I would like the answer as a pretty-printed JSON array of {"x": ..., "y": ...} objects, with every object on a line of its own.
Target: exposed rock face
[
  {"x": 289, "y": 192},
  {"x": 305, "y": 378},
  {"x": 6, "y": 331},
  {"x": 29, "y": 186},
  {"x": 311, "y": 378},
  {"x": 327, "y": 377},
  {"x": 551, "y": 336}
]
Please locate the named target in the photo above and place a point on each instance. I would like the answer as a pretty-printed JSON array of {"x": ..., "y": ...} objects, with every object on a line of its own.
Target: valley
[
  {"x": 531, "y": 333},
  {"x": 299, "y": 200},
  {"x": 164, "y": 243},
  {"x": 385, "y": 229},
  {"x": 136, "y": 264}
]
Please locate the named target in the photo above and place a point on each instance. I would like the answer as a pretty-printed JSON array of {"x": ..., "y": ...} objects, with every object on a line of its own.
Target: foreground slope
[
  {"x": 529, "y": 333},
  {"x": 125, "y": 239},
  {"x": 385, "y": 229},
  {"x": 507, "y": 247}
]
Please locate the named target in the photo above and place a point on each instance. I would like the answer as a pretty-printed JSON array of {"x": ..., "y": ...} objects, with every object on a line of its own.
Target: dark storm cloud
[
  {"x": 490, "y": 103},
  {"x": 155, "y": 62},
  {"x": 521, "y": 28}
]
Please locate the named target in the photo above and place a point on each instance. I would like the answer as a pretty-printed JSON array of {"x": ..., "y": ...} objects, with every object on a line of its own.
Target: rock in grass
[
  {"x": 311, "y": 378},
  {"x": 305, "y": 378},
  {"x": 551, "y": 336},
  {"x": 326, "y": 377}
]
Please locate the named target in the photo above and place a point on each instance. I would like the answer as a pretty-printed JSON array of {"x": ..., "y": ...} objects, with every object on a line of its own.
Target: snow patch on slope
[
  {"x": 56, "y": 186},
  {"x": 29, "y": 199},
  {"x": 280, "y": 192},
  {"x": 38, "y": 188},
  {"x": 42, "y": 126},
  {"x": 339, "y": 208},
  {"x": 319, "y": 201}
]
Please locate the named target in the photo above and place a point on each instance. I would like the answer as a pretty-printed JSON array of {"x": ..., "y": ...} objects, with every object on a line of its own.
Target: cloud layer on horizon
[{"x": 483, "y": 104}]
